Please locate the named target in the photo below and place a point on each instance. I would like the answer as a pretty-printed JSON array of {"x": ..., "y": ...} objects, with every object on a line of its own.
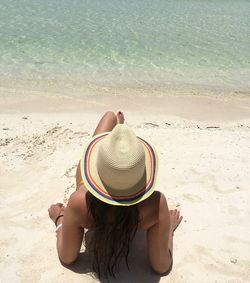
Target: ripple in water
[{"x": 147, "y": 44}]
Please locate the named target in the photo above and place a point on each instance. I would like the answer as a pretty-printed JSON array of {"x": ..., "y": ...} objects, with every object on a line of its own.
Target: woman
[{"x": 115, "y": 198}]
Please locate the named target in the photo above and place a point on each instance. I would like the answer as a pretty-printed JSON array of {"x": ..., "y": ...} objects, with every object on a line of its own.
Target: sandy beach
[{"x": 204, "y": 148}]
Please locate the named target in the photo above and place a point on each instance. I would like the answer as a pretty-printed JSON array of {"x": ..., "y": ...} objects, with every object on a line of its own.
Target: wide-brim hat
[{"x": 118, "y": 167}]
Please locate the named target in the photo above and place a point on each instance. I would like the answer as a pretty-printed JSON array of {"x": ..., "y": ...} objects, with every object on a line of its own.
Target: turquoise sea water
[{"x": 125, "y": 43}]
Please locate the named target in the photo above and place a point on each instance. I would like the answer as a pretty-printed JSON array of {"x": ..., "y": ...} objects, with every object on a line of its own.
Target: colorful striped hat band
[{"x": 118, "y": 167}]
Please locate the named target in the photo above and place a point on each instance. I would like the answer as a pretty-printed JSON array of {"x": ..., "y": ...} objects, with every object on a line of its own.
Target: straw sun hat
[{"x": 118, "y": 167}]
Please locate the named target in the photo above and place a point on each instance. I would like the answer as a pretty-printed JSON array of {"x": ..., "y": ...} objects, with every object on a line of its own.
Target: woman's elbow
[
  {"x": 162, "y": 270},
  {"x": 66, "y": 260},
  {"x": 65, "y": 255}
]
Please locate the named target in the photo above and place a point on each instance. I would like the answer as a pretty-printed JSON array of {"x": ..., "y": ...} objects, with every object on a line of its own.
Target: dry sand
[{"x": 204, "y": 150}]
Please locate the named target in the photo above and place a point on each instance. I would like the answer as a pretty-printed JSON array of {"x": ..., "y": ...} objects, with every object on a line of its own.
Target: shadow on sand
[{"x": 140, "y": 270}]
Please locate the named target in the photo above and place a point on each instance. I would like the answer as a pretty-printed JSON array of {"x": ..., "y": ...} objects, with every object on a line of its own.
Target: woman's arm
[
  {"x": 70, "y": 234},
  {"x": 79, "y": 181},
  {"x": 160, "y": 238}
]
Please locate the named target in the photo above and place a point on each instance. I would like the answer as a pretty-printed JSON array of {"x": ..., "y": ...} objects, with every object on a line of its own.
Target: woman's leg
[{"x": 108, "y": 121}]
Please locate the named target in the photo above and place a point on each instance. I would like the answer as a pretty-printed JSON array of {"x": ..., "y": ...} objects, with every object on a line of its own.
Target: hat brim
[{"x": 92, "y": 181}]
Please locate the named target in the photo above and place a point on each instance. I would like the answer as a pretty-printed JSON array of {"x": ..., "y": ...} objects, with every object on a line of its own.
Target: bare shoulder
[
  {"x": 78, "y": 205},
  {"x": 151, "y": 209},
  {"x": 77, "y": 199},
  {"x": 156, "y": 200}
]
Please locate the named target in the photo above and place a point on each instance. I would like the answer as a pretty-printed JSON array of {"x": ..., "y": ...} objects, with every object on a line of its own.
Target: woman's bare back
[
  {"x": 154, "y": 218},
  {"x": 148, "y": 210}
]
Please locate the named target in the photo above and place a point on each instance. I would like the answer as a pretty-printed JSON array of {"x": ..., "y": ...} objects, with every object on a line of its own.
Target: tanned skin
[{"x": 157, "y": 220}]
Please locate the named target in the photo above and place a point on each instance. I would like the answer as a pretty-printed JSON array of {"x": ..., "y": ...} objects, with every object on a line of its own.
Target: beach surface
[{"x": 204, "y": 148}]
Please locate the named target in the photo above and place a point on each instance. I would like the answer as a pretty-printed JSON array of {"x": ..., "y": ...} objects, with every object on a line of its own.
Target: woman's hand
[
  {"x": 175, "y": 219},
  {"x": 55, "y": 210}
]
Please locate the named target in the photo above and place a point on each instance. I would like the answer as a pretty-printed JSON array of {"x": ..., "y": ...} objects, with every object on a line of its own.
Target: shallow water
[{"x": 125, "y": 43}]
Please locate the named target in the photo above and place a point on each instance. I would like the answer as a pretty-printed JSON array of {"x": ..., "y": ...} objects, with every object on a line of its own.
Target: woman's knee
[
  {"x": 110, "y": 115},
  {"x": 110, "y": 118}
]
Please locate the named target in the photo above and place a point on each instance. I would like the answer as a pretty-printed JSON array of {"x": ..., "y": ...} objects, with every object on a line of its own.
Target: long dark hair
[{"x": 115, "y": 228}]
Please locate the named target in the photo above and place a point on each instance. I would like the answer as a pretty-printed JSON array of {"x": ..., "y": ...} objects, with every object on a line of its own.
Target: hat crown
[{"x": 121, "y": 159}]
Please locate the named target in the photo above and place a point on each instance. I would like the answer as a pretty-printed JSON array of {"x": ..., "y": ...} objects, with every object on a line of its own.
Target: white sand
[{"x": 204, "y": 171}]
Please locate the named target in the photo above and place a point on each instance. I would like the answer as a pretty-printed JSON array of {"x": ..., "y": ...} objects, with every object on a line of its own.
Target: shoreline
[{"x": 190, "y": 107}]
